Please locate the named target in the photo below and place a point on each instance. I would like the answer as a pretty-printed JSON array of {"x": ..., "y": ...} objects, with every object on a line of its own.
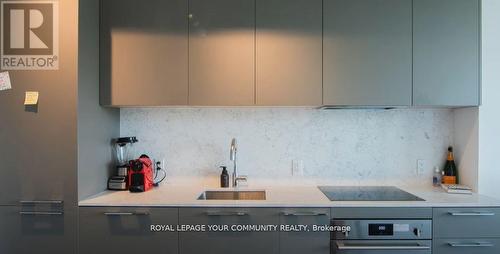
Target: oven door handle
[{"x": 342, "y": 246}]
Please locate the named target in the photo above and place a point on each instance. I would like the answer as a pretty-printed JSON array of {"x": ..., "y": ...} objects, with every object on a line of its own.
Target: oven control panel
[{"x": 384, "y": 229}]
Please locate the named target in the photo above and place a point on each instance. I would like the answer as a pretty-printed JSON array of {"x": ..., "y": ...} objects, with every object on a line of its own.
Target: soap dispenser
[{"x": 224, "y": 178}]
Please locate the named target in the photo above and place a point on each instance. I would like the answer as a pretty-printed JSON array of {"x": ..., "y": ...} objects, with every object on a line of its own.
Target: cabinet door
[
  {"x": 26, "y": 232},
  {"x": 367, "y": 52},
  {"x": 289, "y": 52},
  {"x": 144, "y": 52},
  {"x": 105, "y": 230},
  {"x": 305, "y": 242},
  {"x": 466, "y": 222},
  {"x": 446, "y": 52},
  {"x": 466, "y": 246},
  {"x": 222, "y": 52},
  {"x": 228, "y": 242}
]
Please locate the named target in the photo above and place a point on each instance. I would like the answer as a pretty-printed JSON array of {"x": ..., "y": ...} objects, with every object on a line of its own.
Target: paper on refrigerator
[{"x": 5, "y": 81}]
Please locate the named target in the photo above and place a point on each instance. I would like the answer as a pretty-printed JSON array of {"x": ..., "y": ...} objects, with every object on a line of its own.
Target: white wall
[
  {"x": 466, "y": 139},
  {"x": 336, "y": 147},
  {"x": 96, "y": 125},
  {"x": 489, "y": 112}
]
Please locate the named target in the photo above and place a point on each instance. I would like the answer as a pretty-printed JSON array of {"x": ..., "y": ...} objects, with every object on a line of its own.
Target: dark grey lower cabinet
[
  {"x": 471, "y": 230},
  {"x": 106, "y": 230},
  {"x": 40, "y": 232},
  {"x": 305, "y": 242},
  {"x": 474, "y": 222},
  {"x": 228, "y": 242},
  {"x": 466, "y": 246}
]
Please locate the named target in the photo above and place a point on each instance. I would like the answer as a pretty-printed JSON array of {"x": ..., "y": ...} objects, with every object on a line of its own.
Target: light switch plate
[
  {"x": 297, "y": 167},
  {"x": 420, "y": 167}
]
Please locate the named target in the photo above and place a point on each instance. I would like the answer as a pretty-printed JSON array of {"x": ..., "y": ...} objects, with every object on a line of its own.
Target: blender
[{"x": 122, "y": 148}]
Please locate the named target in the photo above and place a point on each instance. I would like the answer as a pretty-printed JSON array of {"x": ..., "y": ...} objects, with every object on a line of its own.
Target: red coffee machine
[{"x": 140, "y": 174}]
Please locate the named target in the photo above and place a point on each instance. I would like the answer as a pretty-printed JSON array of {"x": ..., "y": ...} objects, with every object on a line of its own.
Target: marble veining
[{"x": 341, "y": 147}]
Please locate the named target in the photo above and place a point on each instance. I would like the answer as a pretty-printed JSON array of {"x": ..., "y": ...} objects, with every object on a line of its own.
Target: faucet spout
[
  {"x": 232, "y": 156},
  {"x": 234, "y": 149}
]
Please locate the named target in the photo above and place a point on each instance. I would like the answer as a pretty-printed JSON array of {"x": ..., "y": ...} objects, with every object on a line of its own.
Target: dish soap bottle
[
  {"x": 224, "y": 178},
  {"x": 437, "y": 177}
]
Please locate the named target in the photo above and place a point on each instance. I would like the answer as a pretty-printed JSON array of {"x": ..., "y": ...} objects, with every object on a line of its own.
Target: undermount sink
[{"x": 233, "y": 195}]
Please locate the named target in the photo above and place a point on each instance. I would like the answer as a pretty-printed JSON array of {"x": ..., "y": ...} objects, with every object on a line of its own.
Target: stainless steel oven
[{"x": 381, "y": 237}]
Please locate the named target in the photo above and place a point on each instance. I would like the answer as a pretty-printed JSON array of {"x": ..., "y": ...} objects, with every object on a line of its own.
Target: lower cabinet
[
  {"x": 471, "y": 230},
  {"x": 105, "y": 230},
  {"x": 482, "y": 222},
  {"x": 466, "y": 246},
  {"x": 305, "y": 242},
  {"x": 127, "y": 230},
  {"x": 37, "y": 231},
  {"x": 229, "y": 242}
]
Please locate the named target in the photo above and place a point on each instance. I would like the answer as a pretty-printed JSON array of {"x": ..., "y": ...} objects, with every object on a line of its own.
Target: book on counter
[{"x": 456, "y": 189}]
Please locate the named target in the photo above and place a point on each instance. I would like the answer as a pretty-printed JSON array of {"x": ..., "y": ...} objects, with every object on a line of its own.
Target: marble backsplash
[{"x": 343, "y": 147}]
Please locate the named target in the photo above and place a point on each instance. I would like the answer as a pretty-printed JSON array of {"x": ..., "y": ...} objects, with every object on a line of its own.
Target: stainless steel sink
[{"x": 233, "y": 195}]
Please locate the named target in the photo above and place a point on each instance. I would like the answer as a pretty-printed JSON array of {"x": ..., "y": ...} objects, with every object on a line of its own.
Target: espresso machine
[
  {"x": 140, "y": 175},
  {"x": 122, "y": 148}
]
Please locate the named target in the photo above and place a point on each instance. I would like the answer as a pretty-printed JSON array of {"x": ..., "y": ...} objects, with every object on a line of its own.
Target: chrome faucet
[{"x": 232, "y": 156}]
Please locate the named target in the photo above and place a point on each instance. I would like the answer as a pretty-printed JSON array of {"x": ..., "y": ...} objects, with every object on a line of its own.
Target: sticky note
[
  {"x": 5, "y": 81},
  {"x": 31, "y": 98}
]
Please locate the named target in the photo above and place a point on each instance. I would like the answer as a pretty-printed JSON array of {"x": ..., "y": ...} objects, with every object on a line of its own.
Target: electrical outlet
[
  {"x": 420, "y": 167},
  {"x": 297, "y": 167},
  {"x": 161, "y": 163}
]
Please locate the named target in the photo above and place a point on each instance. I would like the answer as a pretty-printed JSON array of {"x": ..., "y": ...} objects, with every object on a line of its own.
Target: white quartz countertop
[{"x": 291, "y": 196}]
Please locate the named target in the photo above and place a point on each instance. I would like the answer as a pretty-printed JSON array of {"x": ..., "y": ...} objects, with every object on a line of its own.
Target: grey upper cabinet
[
  {"x": 361, "y": 53},
  {"x": 144, "y": 52},
  {"x": 289, "y": 52},
  {"x": 305, "y": 242},
  {"x": 246, "y": 242},
  {"x": 446, "y": 53},
  {"x": 126, "y": 230},
  {"x": 222, "y": 52},
  {"x": 367, "y": 52}
]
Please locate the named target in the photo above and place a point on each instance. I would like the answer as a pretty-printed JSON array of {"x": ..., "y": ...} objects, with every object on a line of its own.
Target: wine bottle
[{"x": 450, "y": 169}]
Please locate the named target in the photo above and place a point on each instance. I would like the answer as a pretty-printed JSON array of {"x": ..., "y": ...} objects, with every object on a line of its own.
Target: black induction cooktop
[{"x": 367, "y": 193}]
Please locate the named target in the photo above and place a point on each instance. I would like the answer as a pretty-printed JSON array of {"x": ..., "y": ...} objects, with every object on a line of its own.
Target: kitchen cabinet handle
[
  {"x": 41, "y": 213},
  {"x": 227, "y": 213},
  {"x": 471, "y": 213},
  {"x": 342, "y": 246},
  {"x": 478, "y": 244},
  {"x": 304, "y": 214},
  {"x": 36, "y": 202},
  {"x": 124, "y": 214}
]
